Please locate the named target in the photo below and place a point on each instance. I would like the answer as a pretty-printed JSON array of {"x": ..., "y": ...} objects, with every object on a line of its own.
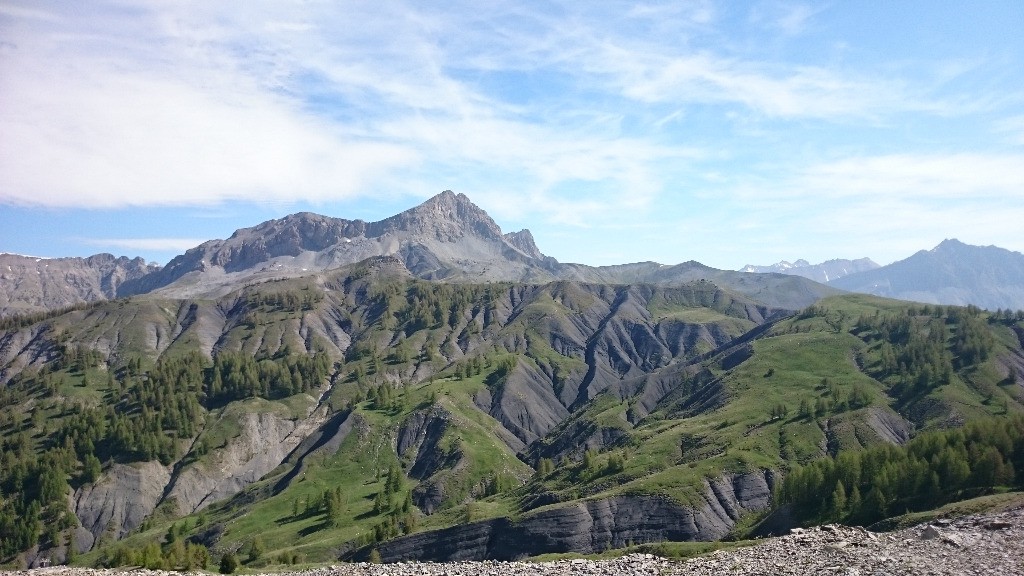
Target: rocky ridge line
[{"x": 29, "y": 284}]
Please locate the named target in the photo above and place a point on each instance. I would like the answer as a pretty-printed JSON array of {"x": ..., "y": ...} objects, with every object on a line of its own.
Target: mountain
[
  {"x": 427, "y": 387},
  {"x": 450, "y": 239},
  {"x": 950, "y": 273},
  {"x": 447, "y": 238},
  {"x": 783, "y": 291},
  {"x": 824, "y": 272},
  {"x": 364, "y": 410},
  {"x": 29, "y": 284}
]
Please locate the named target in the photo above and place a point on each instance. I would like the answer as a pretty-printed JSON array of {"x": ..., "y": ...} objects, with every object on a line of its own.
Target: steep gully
[{"x": 592, "y": 525}]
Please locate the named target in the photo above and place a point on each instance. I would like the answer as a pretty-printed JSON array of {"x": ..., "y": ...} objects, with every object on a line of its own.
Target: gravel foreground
[{"x": 974, "y": 545}]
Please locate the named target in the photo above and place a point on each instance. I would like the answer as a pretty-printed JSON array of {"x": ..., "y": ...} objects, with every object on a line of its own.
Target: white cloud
[
  {"x": 147, "y": 244},
  {"x": 578, "y": 117},
  {"x": 932, "y": 177},
  {"x": 886, "y": 207},
  {"x": 97, "y": 128},
  {"x": 1011, "y": 129},
  {"x": 770, "y": 90},
  {"x": 186, "y": 107}
]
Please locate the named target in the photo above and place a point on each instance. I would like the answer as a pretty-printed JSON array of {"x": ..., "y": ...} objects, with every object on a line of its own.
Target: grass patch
[{"x": 990, "y": 503}]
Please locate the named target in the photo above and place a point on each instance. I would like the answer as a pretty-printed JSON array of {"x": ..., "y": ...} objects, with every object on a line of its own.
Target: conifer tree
[{"x": 837, "y": 504}]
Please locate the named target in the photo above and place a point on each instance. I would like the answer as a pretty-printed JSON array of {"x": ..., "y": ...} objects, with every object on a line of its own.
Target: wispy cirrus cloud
[
  {"x": 575, "y": 117},
  {"x": 200, "y": 108},
  {"x": 103, "y": 120},
  {"x": 203, "y": 104},
  {"x": 931, "y": 177},
  {"x": 886, "y": 206},
  {"x": 177, "y": 245},
  {"x": 1011, "y": 129}
]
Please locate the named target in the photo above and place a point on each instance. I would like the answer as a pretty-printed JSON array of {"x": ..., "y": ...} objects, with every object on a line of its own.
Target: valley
[{"x": 400, "y": 408}]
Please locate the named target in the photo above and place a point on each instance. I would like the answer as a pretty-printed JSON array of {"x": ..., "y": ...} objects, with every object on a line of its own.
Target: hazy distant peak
[
  {"x": 950, "y": 273},
  {"x": 780, "y": 266},
  {"x": 954, "y": 245},
  {"x": 825, "y": 272}
]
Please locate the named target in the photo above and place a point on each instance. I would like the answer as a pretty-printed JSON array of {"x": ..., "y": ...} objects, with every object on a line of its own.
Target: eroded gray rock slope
[
  {"x": 608, "y": 335},
  {"x": 122, "y": 499},
  {"x": 589, "y": 526},
  {"x": 126, "y": 495},
  {"x": 978, "y": 544}
]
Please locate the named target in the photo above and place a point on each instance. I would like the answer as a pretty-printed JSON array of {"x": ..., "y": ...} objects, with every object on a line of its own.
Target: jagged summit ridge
[
  {"x": 447, "y": 237},
  {"x": 32, "y": 283},
  {"x": 523, "y": 240}
]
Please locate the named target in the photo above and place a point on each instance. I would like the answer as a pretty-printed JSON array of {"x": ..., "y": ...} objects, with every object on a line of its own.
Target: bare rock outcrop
[
  {"x": 589, "y": 526},
  {"x": 419, "y": 441},
  {"x": 126, "y": 495},
  {"x": 122, "y": 498},
  {"x": 525, "y": 404},
  {"x": 264, "y": 441},
  {"x": 980, "y": 544},
  {"x": 30, "y": 284}
]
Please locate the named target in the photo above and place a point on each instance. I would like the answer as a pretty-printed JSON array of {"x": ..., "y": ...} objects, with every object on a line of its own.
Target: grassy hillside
[{"x": 299, "y": 420}]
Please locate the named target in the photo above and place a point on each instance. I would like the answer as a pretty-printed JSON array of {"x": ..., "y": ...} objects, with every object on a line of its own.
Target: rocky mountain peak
[
  {"x": 302, "y": 231},
  {"x": 287, "y": 236},
  {"x": 445, "y": 236},
  {"x": 950, "y": 244},
  {"x": 447, "y": 216},
  {"x": 523, "y": 240}
]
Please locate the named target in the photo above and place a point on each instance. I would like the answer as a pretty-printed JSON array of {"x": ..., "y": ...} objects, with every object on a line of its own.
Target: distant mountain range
[
  {"x": 824, "y": 272},
  {"x": 447, "y": 238},
  {"x": 450, "y": 239},
  {"x": 428, "y": 387},
  {"x": 951, "y": 273}
]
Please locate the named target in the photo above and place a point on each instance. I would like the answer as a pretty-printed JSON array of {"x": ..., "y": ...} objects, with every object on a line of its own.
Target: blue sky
[{"x": 724, "y": 132}]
